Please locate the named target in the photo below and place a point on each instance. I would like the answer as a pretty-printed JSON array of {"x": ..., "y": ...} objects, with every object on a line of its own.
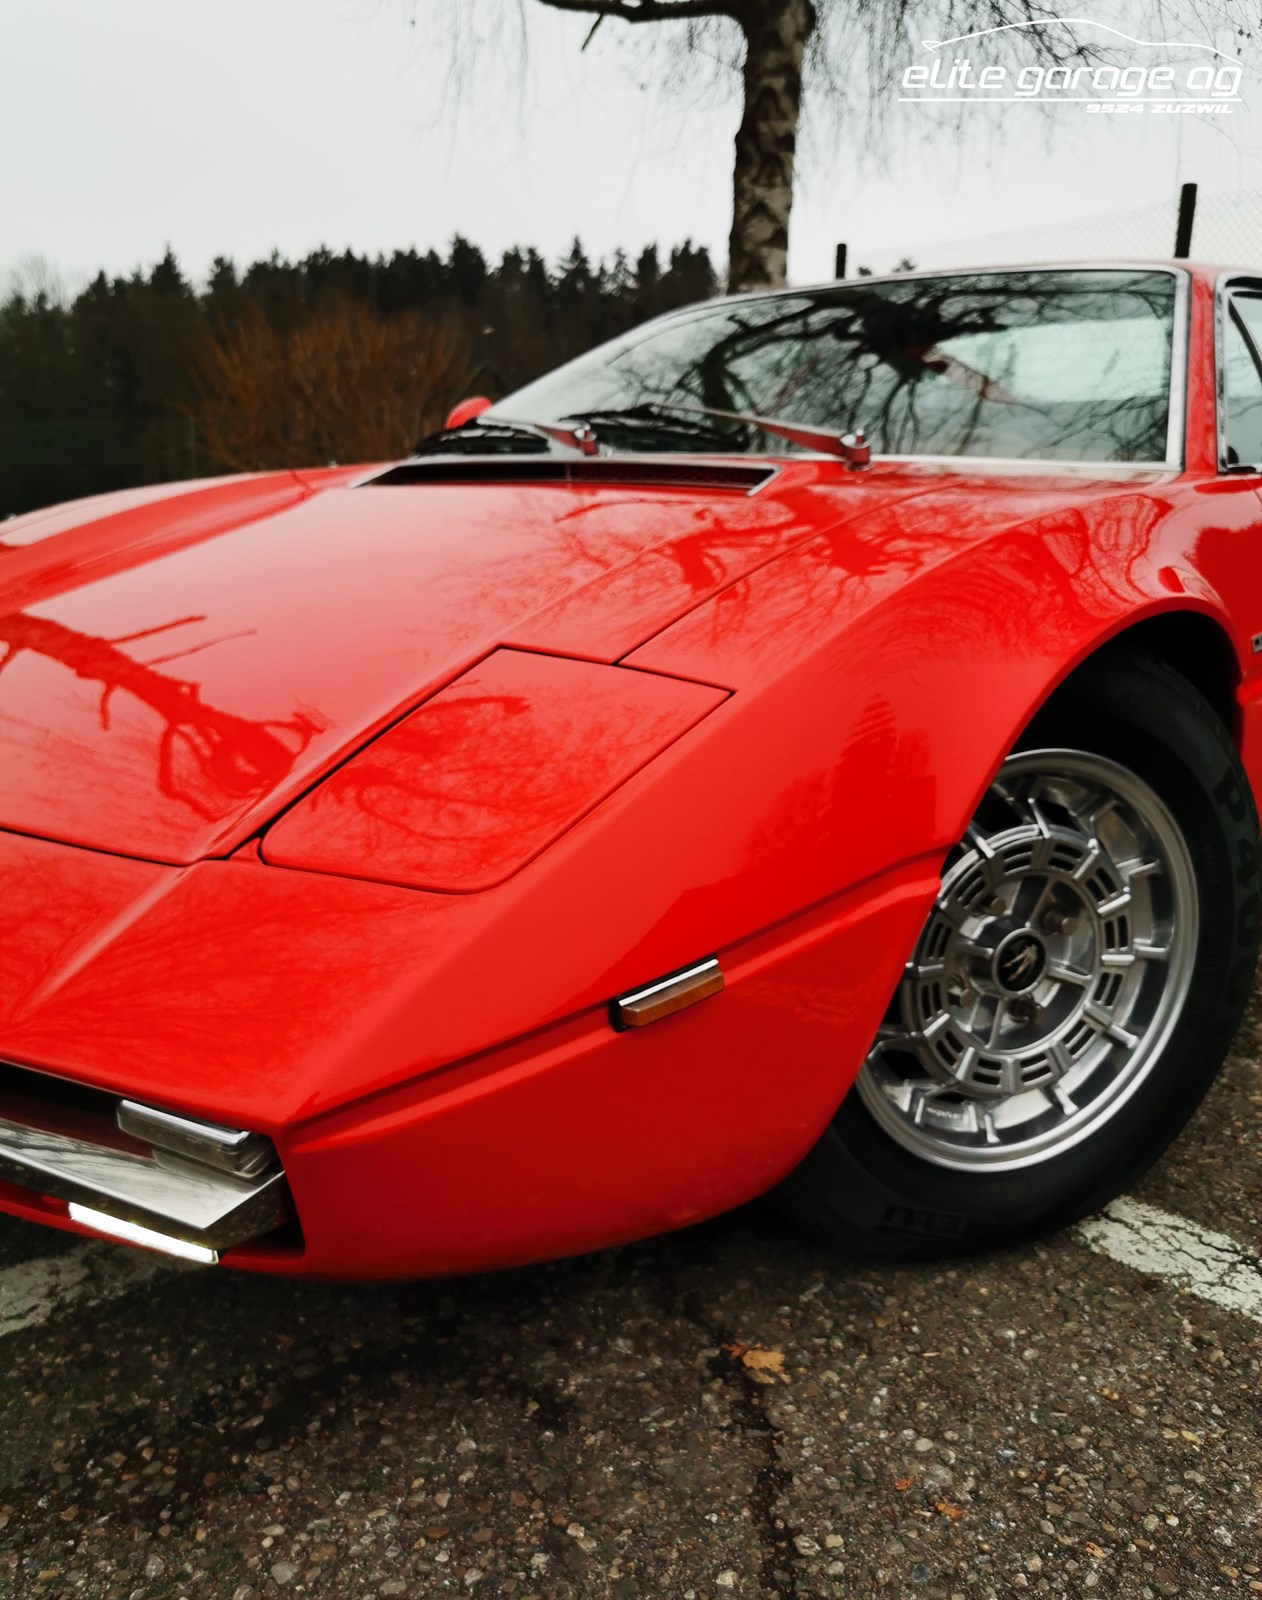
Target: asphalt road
[{"x": 1052, "y": 1421}]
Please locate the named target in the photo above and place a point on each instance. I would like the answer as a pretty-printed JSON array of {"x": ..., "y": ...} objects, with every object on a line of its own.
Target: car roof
[{"x": 1208, "y": 271}]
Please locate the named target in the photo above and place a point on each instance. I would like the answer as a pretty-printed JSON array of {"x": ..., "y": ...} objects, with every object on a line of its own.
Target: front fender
[{"x": 886, "y": 673}]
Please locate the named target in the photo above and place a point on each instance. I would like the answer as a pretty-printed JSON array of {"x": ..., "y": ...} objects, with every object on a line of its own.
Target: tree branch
[{"x": 648, "y": 10}]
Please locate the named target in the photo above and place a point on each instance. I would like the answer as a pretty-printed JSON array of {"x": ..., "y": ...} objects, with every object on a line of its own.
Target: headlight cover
[{"x": 465, "y": 790}]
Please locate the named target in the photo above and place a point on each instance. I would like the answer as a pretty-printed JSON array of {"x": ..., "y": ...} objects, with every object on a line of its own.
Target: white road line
[
  {"x": 31, "y": 1291},
  {"x": 1197, "y": 1259}
]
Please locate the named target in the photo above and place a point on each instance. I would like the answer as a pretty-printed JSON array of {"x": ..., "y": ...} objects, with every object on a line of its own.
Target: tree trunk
[{"x": 776, "y": 35}]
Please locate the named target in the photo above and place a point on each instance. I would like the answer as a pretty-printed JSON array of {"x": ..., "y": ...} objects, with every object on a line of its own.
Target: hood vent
[{"x": 737, "y": 477}]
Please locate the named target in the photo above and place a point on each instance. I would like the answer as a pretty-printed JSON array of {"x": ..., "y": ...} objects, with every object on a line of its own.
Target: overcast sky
[{"x": 243, "y": 126}]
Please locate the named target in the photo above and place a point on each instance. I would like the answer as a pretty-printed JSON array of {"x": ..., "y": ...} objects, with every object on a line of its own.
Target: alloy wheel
[{"x": 1049, "y": 974}]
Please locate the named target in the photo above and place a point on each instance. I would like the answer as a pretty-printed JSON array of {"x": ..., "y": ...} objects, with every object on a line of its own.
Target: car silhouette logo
[{"x": 1020, "y": 963}]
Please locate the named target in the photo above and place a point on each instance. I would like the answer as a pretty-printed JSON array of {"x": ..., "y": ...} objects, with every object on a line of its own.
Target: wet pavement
[{"x": 726, "y": 1412}]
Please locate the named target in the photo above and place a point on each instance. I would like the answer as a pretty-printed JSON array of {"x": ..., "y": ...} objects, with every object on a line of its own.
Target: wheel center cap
[{"x": 1019, "y": 962}]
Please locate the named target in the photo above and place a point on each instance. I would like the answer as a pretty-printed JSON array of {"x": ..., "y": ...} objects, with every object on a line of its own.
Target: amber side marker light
[{"x": 639, "y": 1007}]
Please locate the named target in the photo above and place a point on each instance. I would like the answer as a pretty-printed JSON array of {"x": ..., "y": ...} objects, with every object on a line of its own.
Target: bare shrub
[{"x": 346, "y": 385}]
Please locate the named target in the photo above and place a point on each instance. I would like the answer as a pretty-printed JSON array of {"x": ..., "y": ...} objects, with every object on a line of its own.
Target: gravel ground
[{"x": 726, "y": 1412}]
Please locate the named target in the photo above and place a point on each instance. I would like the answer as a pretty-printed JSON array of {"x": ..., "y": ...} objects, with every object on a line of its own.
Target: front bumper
[
  {"x": 127, "y": 1167},
  {"x": 427, "y": 1120}
]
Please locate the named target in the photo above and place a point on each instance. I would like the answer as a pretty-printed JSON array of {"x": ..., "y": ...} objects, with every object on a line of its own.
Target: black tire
[{"x": 864, "y": 1192}]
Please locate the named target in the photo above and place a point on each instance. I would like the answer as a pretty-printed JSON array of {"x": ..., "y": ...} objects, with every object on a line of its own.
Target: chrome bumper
[{"x": 179, "y": 1180}]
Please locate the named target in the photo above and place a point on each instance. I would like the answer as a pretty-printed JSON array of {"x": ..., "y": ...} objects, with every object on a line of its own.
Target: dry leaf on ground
[{"x": 763, "y": 1366}]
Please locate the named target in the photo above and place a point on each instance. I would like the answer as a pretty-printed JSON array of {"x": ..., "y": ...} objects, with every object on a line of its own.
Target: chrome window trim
[
  {"x": 1034, "y": 465},
  {"x": 1224, "y": 285},
  {"x": 1176, "y": 427},
  {"x": 1092, "y": 264}
]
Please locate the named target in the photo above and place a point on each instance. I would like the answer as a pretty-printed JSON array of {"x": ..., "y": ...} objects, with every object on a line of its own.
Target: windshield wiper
[
  {"x": 487, "y": 437},
  {"x": 651, "y": 416},
  {"x": 852, "y": 447},
  {"x": 489, "y": 433},
  {"x": 580, "y": 436}
]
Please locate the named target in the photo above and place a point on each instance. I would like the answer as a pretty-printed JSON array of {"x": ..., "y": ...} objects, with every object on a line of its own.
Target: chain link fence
[{"x": 1227, "y": 228}]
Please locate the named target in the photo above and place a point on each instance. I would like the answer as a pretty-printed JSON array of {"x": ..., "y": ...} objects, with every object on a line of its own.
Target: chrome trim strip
[
  {"x": 1224, "y": 283},
  {"x": 1091, "y": 265},
  {"x": 246, "y": 1155},
  {"x": 711, "y": 965},
  {"x": 675, "y": 992},
  {"x": 1035, "y": 466},
  {"x": 1220, "y": 369},
  {"x": 1176, "y": 427},
  {"x": 146, "y": 1238}
]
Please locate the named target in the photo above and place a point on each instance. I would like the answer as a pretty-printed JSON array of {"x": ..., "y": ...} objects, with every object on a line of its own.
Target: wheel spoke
[
  {"x": 1061, "y": 1060},
  {"x": 951, "y": 912},
  {"x": 1066, "y": 974},
  {"x": 1108, "y": 1025},
  {"x": 1040, "y": 821},
  {"x": 1041, "y": 903},
  {"x": 889, "y": 1038},
  {"x": 1062, "y": 1099},
  {"x": 919, "y": 1096},
  {"x": 1105, "y": 808},
  {"x": 935, "y": 1025},
  {"x": 992, "y": 867}
]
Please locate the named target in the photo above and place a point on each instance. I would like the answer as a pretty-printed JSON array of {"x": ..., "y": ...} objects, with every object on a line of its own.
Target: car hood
[{"x": 178, "y": 665}]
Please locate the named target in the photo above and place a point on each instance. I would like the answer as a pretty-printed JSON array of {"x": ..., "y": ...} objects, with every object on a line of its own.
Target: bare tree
[
  {"x": 775, "y": 35},
  {"x": 847, "y": 51},
  {"x": 35, "y": 278}
]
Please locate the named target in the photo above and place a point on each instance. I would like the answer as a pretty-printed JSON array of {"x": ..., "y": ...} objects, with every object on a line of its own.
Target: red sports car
[{"x": 809, "y": 743}]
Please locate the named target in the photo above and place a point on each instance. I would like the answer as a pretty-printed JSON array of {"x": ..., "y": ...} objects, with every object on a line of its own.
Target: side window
[{"x": 1243, "y": 381}]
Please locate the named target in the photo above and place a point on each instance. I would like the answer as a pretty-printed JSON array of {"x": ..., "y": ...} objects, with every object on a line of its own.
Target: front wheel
[{"x": 1075, "y": 987}]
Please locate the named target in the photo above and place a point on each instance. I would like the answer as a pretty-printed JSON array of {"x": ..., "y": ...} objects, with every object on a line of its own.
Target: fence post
[
  {"x": 840, "y": 264},
  {"x": 1183, "y": 232}
]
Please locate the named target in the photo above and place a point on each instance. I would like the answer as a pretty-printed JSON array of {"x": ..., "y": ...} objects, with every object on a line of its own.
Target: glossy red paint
[
  {"x": 209, "y": 663},
  {"x": 586, "y": 734},
  {"x": 487, "y": 773},
  {"x": 467, "y": 410}
]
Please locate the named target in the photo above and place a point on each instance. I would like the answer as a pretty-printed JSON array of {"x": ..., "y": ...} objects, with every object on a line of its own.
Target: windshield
[{"x": 1068, "y": 365}]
